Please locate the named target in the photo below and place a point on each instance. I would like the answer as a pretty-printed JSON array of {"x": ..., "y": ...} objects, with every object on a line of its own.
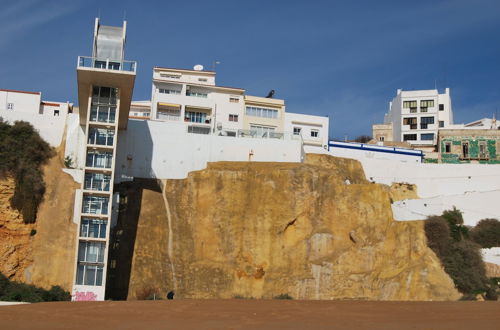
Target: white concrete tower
[{"x": 105, "y": 86}]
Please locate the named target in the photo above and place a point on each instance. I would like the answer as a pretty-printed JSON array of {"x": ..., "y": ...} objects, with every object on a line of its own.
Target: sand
[{"x": 255, "y": 314}]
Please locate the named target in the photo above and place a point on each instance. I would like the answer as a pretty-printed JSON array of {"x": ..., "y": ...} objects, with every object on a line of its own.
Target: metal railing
[
  {"x": 254, "y": 134},
  {"x": 93, "y": 62}
]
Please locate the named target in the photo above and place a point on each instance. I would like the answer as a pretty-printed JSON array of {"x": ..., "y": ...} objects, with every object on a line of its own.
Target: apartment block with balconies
[{"x": 416, "y": 116}]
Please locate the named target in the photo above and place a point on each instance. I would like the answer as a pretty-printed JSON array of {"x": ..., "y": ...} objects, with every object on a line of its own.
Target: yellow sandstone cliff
[
  {"x": 45, "y": 257},
  {"x": 317, "y": 230}
]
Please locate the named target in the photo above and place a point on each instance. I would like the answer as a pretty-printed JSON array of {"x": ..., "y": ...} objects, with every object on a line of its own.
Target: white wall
[
  {"x": 26, "y": 102},
  {"x": 75, "y": 141},
  {"x": 367, "y": 151},
  {"x": 491, "y": 255},
  {"x": 472, "y": 188},
  {"x": 474, "y": 206},
  {"x": 155, "y": 149},
  {"x": 307, "y": 123}
]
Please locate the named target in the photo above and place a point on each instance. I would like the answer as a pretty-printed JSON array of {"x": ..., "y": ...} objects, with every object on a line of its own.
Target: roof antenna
[
  {"x": 99, "y": 13},
  {"x": 124, "y": 15},
  {"x": 214, "y": 64}
]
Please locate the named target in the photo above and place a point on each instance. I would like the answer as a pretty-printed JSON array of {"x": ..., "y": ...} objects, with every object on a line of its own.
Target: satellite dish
[{"x": 198, "y": 67}]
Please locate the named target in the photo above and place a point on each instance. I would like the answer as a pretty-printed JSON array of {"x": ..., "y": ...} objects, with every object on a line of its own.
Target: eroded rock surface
[{"x": 317, "y": 230}]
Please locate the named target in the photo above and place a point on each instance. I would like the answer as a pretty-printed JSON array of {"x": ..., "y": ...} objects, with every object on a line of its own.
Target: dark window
[
  {"x": 441, "y": 123},
  {"x": 441, "y": 107},
  {"x": 412, "y": 121},
  {"x": 424, "y": 121},
  {"x": 427, "y": 137},
  {"x": 483, "y": 153},
  {"x": 56, "y": 112},
  {"x": 409, "y": 137},
  {"x": 447, "y": 147},
  {"x": 233, "y": 118},
  {"x": 296, "y": 130},
  {"x": 465, "y": 149}
]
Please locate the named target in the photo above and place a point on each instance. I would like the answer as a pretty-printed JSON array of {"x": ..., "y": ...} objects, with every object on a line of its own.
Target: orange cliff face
[
  {"x": 45, "y": 257},
  {"x": 317, "y": 230},
  {"x": 15, "y": 236}
]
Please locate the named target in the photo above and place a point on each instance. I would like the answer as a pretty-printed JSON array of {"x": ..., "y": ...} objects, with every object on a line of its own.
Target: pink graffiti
[{"x": 84, "y": 296}]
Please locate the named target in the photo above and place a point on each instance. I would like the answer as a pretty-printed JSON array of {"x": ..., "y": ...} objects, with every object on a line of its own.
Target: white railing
[{"x": 93, "y": 62}]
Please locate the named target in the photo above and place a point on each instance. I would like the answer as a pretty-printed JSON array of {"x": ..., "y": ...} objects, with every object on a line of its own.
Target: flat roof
[
  {"x": 182, "y": 70},
  {"x": 16, "y": 91}
]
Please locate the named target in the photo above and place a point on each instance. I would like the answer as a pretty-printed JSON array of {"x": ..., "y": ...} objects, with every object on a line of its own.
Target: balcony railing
[{"x": 92, "y": 62}]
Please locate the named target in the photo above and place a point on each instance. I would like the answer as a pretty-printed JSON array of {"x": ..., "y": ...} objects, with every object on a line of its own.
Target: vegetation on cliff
[
  {"x": 14, "y": 291},
  {"x": 22, "y": 154},
  {"x": 460, "y": 256},
  {"x": 486, "y": 233}
]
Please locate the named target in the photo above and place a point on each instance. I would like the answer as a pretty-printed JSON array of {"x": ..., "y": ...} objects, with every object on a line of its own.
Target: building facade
[
  {"x": 193, "y": 98},
  {"x": 48, "y": 117},
  {"x": 416, "y": 116},
  {"x": 105, "y": 85},
  {"x": 469, "y": 145}
]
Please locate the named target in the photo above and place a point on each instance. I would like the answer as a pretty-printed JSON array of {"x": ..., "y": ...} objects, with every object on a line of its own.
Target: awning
[
  {"x": 169, "y": 105},
  {"x": 198, "y": 108}
]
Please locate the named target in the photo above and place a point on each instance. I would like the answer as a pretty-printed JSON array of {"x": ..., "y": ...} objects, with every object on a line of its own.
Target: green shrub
[
  {"x": 284, "y": 296},
  {"x": 459, "y": 255},
  {"x": 14, "y": 291},
  {"x": 486, "y": 233},
  {"x": 22, "y": 154}
]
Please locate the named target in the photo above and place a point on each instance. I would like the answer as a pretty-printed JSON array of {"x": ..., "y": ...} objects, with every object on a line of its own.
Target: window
[
  {"x": 56, "y": 112},
  {"x": 97, "y": 181},
  {"x": 447, "y": 147},
  {"x": 101, "y": 136},
  {"x": 262, "y": 131},
  {"x": 89, "y": 275},
  {"x": 314, "y": 133},
  {"x": 483, "y": 153},
  {"x": 424, "y": 121},
  {"x": 95, "y": 228},
  {"x": 409, "y": 137},
  {"x": 412, "y": 121},
  {"x": 196, "y": 94},
  {"x": 412, "y": 105},
  {"x": 168, "y": 114},
  {"x": 170, "y": 76},
  {"x": 465, "y": 149},
  {"x": 196, "y": 117},
  {"x": 441, "y": 107},
  {"x": 169, "y": 91},
  {"x": 234, "y": 100},
  {"x": 424, "y": 104},
  {"x": 99, "y": 159},
  {"x": 95, "y": 204},
  {"x": 202, "y": 79},
  {"x": 262, "y": 112},
  {"x": 427, "y": 137},
  {"x": 10, "y": 106},
  {"x": 233, "y": 118},
  {"x": 297, "y": 130},
  {"x": 441, "y": 123},
  {"x": 381, "y": 138}
]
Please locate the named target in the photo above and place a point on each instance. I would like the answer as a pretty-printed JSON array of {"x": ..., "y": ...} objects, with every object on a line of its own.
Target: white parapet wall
[
  {"x": 491, "y": 255},
  {"x": 164, "y": 150},
  {"x": 50, "y": 127},
  {"x": 474, "y": 189},
  {"x": 474, "y": 206},
  {"x": 371, "y": 151}
]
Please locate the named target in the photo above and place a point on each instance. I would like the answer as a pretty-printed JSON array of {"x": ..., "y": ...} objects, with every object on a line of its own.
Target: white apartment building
[
  {"x": 417, "y": 115},
  {"x": 47, "y": 117},
  {"x": 193, "y": 98},
  {"x": 312, "y": 129}
]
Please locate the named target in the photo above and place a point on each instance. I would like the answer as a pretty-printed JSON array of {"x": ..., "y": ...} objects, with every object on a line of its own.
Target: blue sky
[{"x": 344, "y": 59}]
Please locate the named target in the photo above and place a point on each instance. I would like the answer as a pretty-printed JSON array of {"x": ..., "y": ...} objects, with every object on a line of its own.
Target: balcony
[
  {"x": 92, "y": 72},
  {"x": 94, "y": 63}
]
